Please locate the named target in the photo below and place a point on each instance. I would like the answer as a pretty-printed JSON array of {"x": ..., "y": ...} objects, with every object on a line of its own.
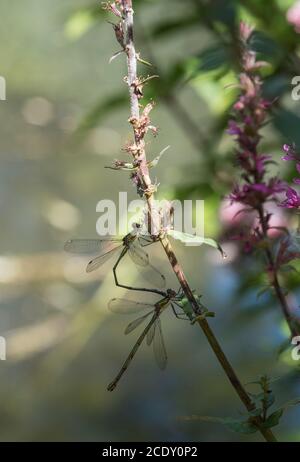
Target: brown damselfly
[{"x": 106, "y": 247}]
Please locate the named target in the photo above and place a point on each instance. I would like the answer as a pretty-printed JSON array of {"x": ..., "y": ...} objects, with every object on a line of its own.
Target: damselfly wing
[
  {"x": 107, "y": 247},
  {"x": 126, "y": 306},
  {"x": 89, "y": 246},
  {"x": 141, "y": 258},
  {"x": 159, "y": 348},
  {"x": 153, "y": 330}
]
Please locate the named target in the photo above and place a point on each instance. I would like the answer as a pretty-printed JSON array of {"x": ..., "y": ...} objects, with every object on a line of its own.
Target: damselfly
[
  {"x": 109, "y": 246},
  {"x": 152, "y": 332}
]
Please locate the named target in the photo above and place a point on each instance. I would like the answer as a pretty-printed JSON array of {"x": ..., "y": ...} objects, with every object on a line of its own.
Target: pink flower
[
  {"x": 254, "y": 194},
  {"x": 245, "y": 31},
  {"x": 292, "y": 201},
  {"x": 291, "y": 154},
  {"x": 232, "y": 214},
  {"x": 293, "y": 16}
]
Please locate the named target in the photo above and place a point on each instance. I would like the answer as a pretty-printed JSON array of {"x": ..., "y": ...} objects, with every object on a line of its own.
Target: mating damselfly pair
[{"x": 133, "y": 244}]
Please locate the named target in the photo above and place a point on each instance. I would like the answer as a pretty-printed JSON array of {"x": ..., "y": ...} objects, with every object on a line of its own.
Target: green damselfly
[{"x": 152, "y": 332}]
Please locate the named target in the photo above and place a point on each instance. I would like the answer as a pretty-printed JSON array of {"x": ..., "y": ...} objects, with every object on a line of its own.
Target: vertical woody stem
[
  {"x": 131, "y": 59},
  {"x": 275, "y": 280},
  {"x": 155, "y": 223},
  {"x": 153, "y": 217}
]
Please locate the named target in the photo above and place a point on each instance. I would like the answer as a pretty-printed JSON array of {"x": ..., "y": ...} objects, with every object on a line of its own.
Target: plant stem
[
  {"x": 216, "y": 347},
  {"x": 154, "y": 221},
  {"x": 275, "y": 280}
]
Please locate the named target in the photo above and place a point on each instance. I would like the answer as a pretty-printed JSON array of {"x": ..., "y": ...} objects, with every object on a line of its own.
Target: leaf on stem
[
  {"x": 155, "y": 161},
  {"x": 190, "y": 239},
  {"x": 115, "y": 55},
  {"x": 235, "y": 425}
]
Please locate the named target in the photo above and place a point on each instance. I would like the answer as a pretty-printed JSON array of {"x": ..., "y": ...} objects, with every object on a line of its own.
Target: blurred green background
[{"x": 64, "y": 120}]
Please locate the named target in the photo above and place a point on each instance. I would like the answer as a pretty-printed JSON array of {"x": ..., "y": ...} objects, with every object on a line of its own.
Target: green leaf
[
  {"x": 275, "y": 86},
  {"x": 287, "y": 123},
  {"x": 273, "y": 419},
  {"x": 225, "y": 12},
  {"x": 173, "y": 26},
  {"x": 190, "y": 239},
  {"x": 155, "y": 161},
  {"x": 213, "y": 58},
  {"x": 235, "y": 425},
  {"x": 288, "y": 269},
  {"x": 238, "y": 426},
  {"x": 265, "y": 45}
]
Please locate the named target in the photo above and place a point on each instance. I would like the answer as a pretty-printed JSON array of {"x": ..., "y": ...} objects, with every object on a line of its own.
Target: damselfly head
[{"x": 136, "y": 228}]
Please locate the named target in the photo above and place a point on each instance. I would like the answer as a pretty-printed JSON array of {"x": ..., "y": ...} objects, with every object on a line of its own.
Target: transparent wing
[
  {"x": 101, "y": 259},
  {"x": 154, "y": 277},
  {"x": 141, "y": 258},
  {"x": 134, "y": 324},
  {"x": 88, "y": 246},
  {"x": 158, "y": 277},
  {"x": 126, "y": 306},
  {"x": 137, "y": 254},
  {"x": 145, "y": 240},
  {"x": 151, "y": 333},
  {"x": 159, "y": 348}
]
